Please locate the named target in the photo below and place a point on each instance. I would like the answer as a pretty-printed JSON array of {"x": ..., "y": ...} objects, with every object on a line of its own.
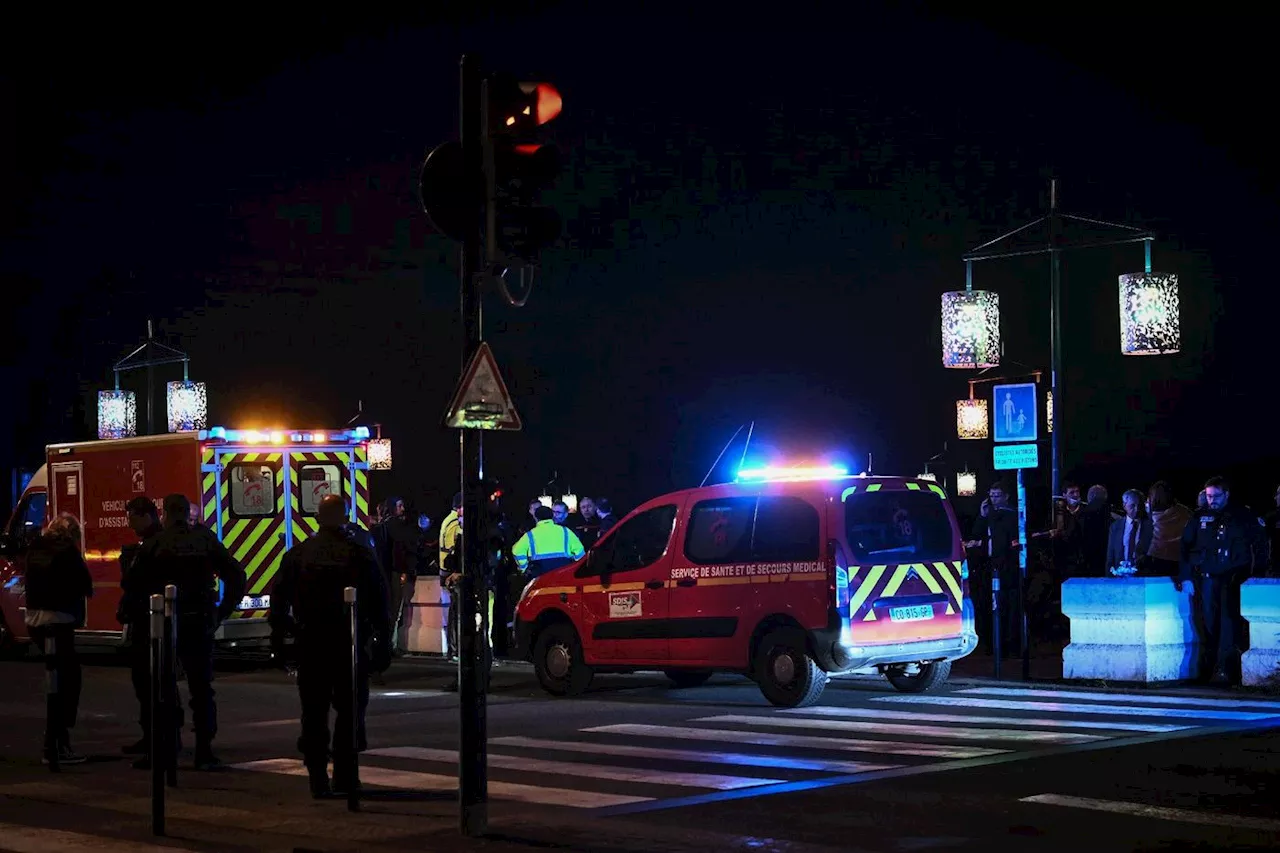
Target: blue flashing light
[
  {"x": 218, "y": 432},
  {"x": 779, "y": 474},
  {"x": 360, "y": 432}
]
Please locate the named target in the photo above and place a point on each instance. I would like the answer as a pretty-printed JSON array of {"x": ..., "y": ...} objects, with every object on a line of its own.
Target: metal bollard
[
  {"x": 172, "y": 700},
  {"x": 353, "y": 796},
  {"x": 159, "y": 716},
  {"x": 995, "y": 621},
  {"x": 53, "y": 717}
]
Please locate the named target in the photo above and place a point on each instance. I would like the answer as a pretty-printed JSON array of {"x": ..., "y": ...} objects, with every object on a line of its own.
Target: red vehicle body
[
  {"x": 784, "y": 581},
  {"x": 257, "y": 490}
]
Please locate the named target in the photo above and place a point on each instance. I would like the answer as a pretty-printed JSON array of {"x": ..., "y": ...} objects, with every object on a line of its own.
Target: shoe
[
  {"x": 319, "y": 782},
  {"x": 345, "y": 787},
  {"x": 206, "y": 760},
  {"x": 139, "y": 747},
  {"x": 66, "y": 756}
]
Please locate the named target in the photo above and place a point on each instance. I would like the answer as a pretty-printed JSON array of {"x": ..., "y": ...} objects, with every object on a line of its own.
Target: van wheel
[
  {"x": 558, "y": 661},
  {"x": 787, "y": 676},
  {"x": 918, "y": 677},
  {"x": 688, "y": 677}
]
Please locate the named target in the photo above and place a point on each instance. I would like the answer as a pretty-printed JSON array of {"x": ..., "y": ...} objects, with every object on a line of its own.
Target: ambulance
[
  {"x": 258, "y": 490},
  {"x": 786, "y": 575}
]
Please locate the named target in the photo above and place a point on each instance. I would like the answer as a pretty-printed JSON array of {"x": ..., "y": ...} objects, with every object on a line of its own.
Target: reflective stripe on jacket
[{"x": 547, "y": 546}]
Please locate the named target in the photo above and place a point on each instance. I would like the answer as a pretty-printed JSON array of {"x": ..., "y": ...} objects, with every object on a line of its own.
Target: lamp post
[
  {"x": 1148, "y": 301},
  {"x": 187, "y": 401}
]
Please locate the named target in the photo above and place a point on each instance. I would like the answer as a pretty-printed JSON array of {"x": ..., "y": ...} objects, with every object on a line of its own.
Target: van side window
[
  {"x": 898, "y": 527},
  {"x": 720, "y": 531},
  {"x": 253, "y": 490},
  {"x": 315, "y": 481},
  {"x": 641, "y": 540},
  {"x": 786, "y": 531}
]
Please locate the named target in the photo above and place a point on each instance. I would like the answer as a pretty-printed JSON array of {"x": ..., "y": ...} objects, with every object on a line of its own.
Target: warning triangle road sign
[{"x": 482, "y": 400}]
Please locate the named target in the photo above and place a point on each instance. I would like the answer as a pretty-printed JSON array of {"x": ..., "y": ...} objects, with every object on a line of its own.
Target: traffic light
[{"x": 519, "y": 167}]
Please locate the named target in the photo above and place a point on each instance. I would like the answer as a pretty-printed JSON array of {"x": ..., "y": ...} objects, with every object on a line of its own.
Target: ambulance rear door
[
  {"x": 315, "y": 472},
  {"x": 244, "y": 501}
]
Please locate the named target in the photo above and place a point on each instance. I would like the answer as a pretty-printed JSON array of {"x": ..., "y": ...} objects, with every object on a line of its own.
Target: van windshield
[{"x": 898, "y": 527}]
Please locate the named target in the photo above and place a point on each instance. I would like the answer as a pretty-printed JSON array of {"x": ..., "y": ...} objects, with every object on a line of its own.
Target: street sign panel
[
  {"x": 1014, "y": 410},
  {"x": 1009, "y": 457},
  {"x": 482, "y": 400}
]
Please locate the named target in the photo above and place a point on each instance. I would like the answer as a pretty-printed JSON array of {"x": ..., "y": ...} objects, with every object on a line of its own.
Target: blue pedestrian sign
[{"x": 1014, "y": 412}]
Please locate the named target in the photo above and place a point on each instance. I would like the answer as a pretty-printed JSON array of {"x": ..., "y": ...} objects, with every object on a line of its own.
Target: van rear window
[{"x": 898, "y": 527}]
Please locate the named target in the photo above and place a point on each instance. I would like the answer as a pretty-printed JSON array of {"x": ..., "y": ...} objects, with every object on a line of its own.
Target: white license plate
[
  {"x": 255, "y": 602},
  {"x": 911, "y": 614}
]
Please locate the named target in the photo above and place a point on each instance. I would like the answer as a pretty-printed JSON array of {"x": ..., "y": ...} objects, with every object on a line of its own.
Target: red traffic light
[
  {"x": 518, "y": 105},
  {"x": 547, "y": 102}
]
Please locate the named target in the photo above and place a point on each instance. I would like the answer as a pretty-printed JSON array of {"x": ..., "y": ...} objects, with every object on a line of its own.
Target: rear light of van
[{"x": 837, "y": 575}]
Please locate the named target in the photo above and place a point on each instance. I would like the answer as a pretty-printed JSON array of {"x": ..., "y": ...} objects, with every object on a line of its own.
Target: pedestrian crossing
[{"x": 650, "y": 765}]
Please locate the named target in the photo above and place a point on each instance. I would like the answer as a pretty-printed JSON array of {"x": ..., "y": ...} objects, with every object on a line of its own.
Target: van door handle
[
  {"x": 687, "y": 582},
  {"x": 654, "y": 585}
]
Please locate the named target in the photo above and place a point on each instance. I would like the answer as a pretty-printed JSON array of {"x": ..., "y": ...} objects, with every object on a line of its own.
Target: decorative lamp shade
[
  {"x": 1048, "y": 409},
  {"x": 379, "y": 454},
  {"x": 1149, "y": 321},
  {"x": 928, "y": 475},
  {"x": 117, "y": 414},
  {"x": 971, "y": 418},
  {"x": 970, "y": 329},
  {"x": 546, "y": 500},
  {"x": 188, "y": 406},
  {"x": 966, "y": 484},
  {"x": 571, "y": 501}
]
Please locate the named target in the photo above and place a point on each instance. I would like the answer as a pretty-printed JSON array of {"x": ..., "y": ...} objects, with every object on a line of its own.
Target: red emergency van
[
  {"x": 785, "y": 575},
  {"x": 259, "y": 490}
]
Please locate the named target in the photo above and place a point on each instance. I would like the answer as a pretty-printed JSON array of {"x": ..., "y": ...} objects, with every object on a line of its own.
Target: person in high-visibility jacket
[{"x": 547, "y": 546}]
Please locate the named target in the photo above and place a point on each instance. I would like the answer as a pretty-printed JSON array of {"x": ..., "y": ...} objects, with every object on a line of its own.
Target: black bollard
[
  {"x": 160, "y": 721},
  {"x": 353, "y": 796},
  {"x": 995, "y": 621},
  {"x": 53, "y": 718},
  {"x": 172, "y": 700}
]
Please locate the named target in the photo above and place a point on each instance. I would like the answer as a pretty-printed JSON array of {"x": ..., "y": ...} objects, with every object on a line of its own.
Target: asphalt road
[{"x": 636, "y": 765}]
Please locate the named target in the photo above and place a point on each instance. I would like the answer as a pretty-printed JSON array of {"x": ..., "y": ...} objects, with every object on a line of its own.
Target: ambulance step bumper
[{"x": 846, "y": 657}]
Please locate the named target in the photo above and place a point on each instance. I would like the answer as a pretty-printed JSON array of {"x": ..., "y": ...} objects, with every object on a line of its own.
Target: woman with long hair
[{"x": 58, "y": 583}]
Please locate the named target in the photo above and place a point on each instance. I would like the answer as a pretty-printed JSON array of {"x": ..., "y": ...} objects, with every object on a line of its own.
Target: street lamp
[
  {"x": 117, "y": 414},
  {"x": 570, "y": 501},
  {"x": 1048, "y": 409},
  {"x": 187, "y": 401},
  {"x": 187, "y": 405},
  {"x": 1148, "y": 301},
  {"x": 966, "y": 484},
  {"x": 972, "y": 418},
  {"x": 379, "y": 451},
  {"x": 970, "y": 328}
]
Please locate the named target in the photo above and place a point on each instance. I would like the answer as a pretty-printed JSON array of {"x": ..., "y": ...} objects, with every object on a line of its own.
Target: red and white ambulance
[
  {"x": 257, "y": 489},
  {"x": 786, "y": 575}
]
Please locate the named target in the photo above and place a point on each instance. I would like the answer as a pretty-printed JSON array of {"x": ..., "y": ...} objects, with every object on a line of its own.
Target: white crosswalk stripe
[{"x": 627, "y": 766}]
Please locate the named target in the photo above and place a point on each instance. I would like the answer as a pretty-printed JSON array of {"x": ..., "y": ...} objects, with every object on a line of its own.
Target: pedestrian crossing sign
[
  {"x": 482, "y": 400},
  {"x": 1014, "y": 407}
]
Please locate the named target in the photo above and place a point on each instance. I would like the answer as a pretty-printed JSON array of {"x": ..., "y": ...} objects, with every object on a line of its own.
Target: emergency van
[
  {"x": 258, "y": 490},
  {"x": 785, "y": 575}
]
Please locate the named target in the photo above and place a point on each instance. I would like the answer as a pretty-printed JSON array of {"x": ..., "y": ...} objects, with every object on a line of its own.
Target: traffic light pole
[{"x": 473, "y": 809}]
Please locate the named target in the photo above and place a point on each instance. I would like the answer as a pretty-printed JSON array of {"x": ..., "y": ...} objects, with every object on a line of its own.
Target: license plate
[
  {"x": 255, "y": 602},
  {"x": 911, "y": 614}
]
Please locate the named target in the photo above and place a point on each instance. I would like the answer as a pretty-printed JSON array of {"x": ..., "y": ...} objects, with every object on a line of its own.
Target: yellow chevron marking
[
  {"x": 251, "y": 457},
  {"x": 207, "y": 482},
  {"x": 231, "y": 531},
  {"x": 362, "y": 505},
  {"x": 299, "y": 533},
  {"x": 913, "y": 487},
  {"x": 362, "y": 479},
  {"x": 206, "y": 456},
  {"x": 949, "y": 579},
  {"x": 225, "y": 490},
  {"x": 313, "y": 523},
  {"x": 210, "y": 507},
  {"x": 254, "y": 535},
  {"x": 895, "y": 582},
  {"x": 934, "y": 487},
  {"x": 865, "y": 588},
  {"x": 273, "y": 457},
  {"x": 268, "y": 545},
  {"x": 927, "y": 576},
  {"x": 320, "y": 457},
  {"x": 874, "y": 487}
]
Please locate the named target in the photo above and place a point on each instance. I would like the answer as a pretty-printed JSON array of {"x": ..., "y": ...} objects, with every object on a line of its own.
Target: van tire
[
  {"x": 558, "y": 661},
  {"x": 797, "y": 681},
  {"x": 931, "y": 676},
  {"x": 682, "y": 678}
]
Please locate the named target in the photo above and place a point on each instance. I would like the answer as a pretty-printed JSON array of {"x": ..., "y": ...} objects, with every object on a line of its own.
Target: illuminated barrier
[
  {"x": 424, "y": 618},
  {"x": 1260, "y": 607},
  {"x": 1129, "y": 629}
]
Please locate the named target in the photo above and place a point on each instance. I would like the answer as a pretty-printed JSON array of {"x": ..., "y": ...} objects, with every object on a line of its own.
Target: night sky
[{"x": 760, "y": 217}]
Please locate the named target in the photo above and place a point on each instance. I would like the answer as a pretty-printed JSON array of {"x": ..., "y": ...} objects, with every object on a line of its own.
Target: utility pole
[
  {"x": 1055, "y": 336},
  {"x": 473, "y": 795}
]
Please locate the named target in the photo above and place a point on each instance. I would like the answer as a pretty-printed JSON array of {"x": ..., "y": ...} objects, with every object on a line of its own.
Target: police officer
[
  {"x": 307, "y": 602},
  {"x": 144, "y": 520},
  {"x": 547, "y": 546},
  {"x": 1218, "y": 554},
  {"x": 193, "y": 560}
]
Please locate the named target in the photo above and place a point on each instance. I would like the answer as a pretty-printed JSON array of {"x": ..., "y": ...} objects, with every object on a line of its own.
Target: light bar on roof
[
  {"x": 254, "y": 436},
  {"x": 779, "y": 474}
]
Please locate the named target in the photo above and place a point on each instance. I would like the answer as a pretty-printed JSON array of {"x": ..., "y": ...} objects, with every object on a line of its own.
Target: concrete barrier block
[
  {"x": 1129, "y": 629},
  {"x": 1260, "y": 607}
]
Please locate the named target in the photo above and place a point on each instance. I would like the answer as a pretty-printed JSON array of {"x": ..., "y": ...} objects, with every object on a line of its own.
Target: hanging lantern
[
  {"x": 970, "y": 329},
  {"x": 571, "y": 501},
  {"x": 928, "y": 475},
  {"x": 546, "y": 500},
  {"x": 971, "y": 418},
  {"x": 1149, "y": 315},
  {"x": 379, "y": 454},
  {"x": 188, "y": 406},
  {"x": 966, "y": 484},
  {"x": 117, "y": 414},
  {"x": 1048, "y": 409}
]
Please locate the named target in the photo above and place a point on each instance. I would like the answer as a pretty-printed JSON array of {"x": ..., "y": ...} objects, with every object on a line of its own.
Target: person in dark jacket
[
  {"x": 996, "y": 532},
  {"x": 395, "y": 544},
  {"x": 58, "y": 582},
  {"x": 1219, "y": 551},
  {"x": 144, "y": 520},
  {"x": 193, "y": 560},
  {"x": 307, "y": 603}
]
